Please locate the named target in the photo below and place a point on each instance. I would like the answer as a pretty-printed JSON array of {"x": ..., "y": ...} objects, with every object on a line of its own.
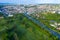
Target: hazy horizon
[{"x": 31, "y": 1}]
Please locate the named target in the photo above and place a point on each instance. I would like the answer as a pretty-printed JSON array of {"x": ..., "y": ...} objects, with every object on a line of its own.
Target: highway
[{"x": 43, "y": 26}]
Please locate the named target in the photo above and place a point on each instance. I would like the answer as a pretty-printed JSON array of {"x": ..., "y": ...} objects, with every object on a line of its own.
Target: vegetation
[
  {"x": 46, "y": 19},
  {"x": 19, "y": 27},
  {"x": 1, "y": 14}
]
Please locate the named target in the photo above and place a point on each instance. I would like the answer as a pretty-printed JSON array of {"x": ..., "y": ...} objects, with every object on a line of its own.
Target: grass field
[
  {"x": 48, "y": 18},
  {"x": 19, "y": 27}
]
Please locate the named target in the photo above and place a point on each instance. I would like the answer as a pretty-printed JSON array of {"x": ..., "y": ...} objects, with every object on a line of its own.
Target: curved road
[{"x": 42, "y": 25}]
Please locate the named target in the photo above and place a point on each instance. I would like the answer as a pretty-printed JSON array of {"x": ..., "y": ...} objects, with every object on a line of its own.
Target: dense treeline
[{"x": 19, "y": 27}]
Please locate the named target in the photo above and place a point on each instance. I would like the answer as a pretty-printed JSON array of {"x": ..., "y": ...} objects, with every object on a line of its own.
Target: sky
[{"x": 30, "y": 1}]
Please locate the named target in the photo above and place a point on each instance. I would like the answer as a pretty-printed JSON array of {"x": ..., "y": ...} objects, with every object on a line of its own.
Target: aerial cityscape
[{"x": 29, "y": 21}]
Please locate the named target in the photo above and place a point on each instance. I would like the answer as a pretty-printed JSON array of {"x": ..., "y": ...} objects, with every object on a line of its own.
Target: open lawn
[{"x": 19, "y": 27}]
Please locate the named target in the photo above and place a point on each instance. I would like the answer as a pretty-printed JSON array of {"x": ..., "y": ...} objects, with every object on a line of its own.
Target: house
[
  {"x": 10, "y": 15},
  {"x": 56, "y": 25}
]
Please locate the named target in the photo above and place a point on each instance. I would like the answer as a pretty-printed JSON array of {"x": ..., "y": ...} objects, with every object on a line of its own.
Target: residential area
[{"x": 42, "y": 20}]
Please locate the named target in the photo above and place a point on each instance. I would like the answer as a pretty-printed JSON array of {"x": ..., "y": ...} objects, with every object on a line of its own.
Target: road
[{"x": 43, "y": 26}]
